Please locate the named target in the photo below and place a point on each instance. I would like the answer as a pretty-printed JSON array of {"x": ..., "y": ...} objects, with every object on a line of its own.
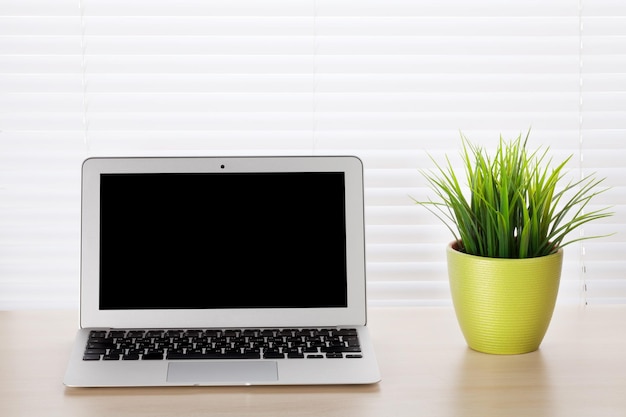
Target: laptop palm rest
[{"x": 222, "y": 371}]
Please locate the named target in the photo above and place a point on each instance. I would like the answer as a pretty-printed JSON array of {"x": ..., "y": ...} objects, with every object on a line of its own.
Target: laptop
[{"x": 222, "y": 271}]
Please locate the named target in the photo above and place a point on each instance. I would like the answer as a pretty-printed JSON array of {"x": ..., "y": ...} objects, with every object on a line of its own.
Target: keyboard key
[
  {"x": 334, "y": 349},
  {"x": 95, "y": 351},
  {"x": 228, "y": 355},
  {"x": 111, "y": 357},
  {"x": 91, "y": 357},
  {"x": 131, "y": 357},
  {"x": 273, "y": 355},
  {"x": 345, "y": 332},
  {"x": 351, "y": 341},
  {"x": 152, "y": 356},
  {"x": 107, "y": 345}
]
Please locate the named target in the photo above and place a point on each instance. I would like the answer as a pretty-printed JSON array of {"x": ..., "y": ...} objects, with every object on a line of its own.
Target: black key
[
  {"x": 184, "y": 345},
  {"x": 335, "y": 342},
  {"x": 221, "y": 343},
  {"x": 202, "y": 344},
  {"x": 131, "y": 357},
  {"x": 106, "y": 345},
  {"x": 256, "y": 339},
  {"x": 315, "y": 356},
  {"x": 189, "y": 355},
  {"x": 152, "y": 356},
  {"x": 210, "y": 355},
  {"x": 244, "y": 355},
  {"x": 126, "y": 344},
  {"x": 91, "y": 357},
  {"x": 238, "y": 342},
  {"x": 345, "y": 332},
  {"x": 316, "y": 343},
  {"x": 351, "y": 340},
  {"x": 334, "y": 355},
  {"x": 334, "y": 349},
  {"x": 276, "y": 343},
  {"x": 354, "y": 356},
  {"x": 273, "y": 355},
  {"x": 111, "y": 357},
  {"x": 95, "y": 351}
]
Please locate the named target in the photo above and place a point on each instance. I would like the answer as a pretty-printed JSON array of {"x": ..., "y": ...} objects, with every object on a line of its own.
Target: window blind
[{"x": 390, "y": 81}]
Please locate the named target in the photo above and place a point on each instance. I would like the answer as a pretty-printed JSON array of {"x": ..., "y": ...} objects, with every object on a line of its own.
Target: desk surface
[{"x": 580, "y": 370}]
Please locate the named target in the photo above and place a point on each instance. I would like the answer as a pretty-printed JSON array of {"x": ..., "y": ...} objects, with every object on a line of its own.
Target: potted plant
[{"x": 510, "y": 218}]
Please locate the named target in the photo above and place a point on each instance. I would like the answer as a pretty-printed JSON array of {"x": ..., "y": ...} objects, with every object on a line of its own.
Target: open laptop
[{"x": 222, "y": 271}]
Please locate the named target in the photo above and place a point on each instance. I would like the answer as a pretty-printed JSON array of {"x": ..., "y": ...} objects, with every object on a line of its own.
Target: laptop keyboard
[{"x": 222, "y": 344}]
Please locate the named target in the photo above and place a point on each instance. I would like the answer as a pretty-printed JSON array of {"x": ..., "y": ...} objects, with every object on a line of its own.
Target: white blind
[{"x": 386, "y": 80}]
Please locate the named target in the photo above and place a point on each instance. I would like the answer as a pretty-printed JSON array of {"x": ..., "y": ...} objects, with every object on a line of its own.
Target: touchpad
[{"x": 222, "y": 371}]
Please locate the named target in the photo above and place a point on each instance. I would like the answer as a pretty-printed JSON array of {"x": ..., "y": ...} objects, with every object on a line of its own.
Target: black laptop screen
[{"x": 223, "y": 240}]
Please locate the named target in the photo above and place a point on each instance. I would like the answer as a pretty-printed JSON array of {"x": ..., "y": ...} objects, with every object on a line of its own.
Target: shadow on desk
[
  {"x": 223, "y": 401},
  {"x": 255, "y": 390}
]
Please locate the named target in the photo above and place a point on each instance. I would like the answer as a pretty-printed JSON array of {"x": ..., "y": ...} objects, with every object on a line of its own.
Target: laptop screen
[{"x": 222, "y": 240}]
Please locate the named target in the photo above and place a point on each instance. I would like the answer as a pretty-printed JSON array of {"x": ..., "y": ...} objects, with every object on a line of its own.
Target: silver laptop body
[{"x": 245, "y": 247}]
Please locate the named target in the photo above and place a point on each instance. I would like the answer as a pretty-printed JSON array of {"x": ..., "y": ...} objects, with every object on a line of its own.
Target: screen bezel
[{"x": 353, "y": 314}]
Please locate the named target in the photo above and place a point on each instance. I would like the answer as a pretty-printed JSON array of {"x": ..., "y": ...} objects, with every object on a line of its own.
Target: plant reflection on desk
[{"x": 516, "y": 382}]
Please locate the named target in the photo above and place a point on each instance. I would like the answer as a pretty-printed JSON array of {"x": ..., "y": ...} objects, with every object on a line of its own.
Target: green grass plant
[{"x": 512, "y": 203}]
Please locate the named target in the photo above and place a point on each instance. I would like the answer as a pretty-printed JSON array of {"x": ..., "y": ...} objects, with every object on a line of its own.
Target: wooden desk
[{"x": 427, "y": 370}]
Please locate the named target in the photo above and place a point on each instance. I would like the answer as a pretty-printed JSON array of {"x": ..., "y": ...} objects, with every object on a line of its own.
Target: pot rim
[{"x": 453, "y": 248}]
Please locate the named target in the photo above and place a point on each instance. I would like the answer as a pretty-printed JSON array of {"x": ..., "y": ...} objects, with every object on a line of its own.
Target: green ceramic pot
[{"x": 503, "y": 306}]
